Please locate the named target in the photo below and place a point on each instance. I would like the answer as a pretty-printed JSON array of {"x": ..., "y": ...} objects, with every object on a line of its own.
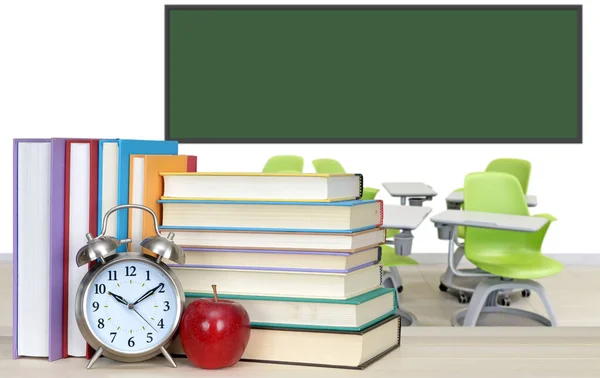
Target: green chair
[
  {"x": 511, "y": 260},
  {"x": 463, "y": 287},
  {"x": 284, "y": 164},
  {"x": 333, "y": 166}
]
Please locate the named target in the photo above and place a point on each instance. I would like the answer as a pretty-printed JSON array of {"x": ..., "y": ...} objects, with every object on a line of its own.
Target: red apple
[{"x": 214, "y": 332}]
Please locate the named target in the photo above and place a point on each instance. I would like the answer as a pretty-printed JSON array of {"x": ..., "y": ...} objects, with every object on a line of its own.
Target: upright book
[
  {"x": 81, "y": 217},
  {"x": 113, "y": 181},
  {"x": 38, "y": 246},
  {"x": 311, "y": 187},
  {"x": 146, "y": 188}
]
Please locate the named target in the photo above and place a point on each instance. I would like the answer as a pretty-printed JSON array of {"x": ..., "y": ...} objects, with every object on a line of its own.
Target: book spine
[
  {"x": 380, "y": 213},
  {"x": 15, "y": 314},
  {"x": 360, "y": 185},
  {"x": 381, "y": 276},
  {"x": 65, "y": 317}
]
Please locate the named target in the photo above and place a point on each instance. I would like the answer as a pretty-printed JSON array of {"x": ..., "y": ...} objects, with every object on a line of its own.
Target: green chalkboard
[{"x": 373, "y": 74}]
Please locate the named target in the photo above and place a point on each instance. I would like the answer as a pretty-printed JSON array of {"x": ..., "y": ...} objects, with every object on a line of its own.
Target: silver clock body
[{"x": 97, "y": 339}]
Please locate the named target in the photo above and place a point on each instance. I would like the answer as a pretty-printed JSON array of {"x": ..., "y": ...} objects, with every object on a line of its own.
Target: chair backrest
[
  {"x": 519, "y": 168},
  {"x": 284, "y": 164},
  {"x": 327, "y": 166},
  {"x": 493, "y": 192}
]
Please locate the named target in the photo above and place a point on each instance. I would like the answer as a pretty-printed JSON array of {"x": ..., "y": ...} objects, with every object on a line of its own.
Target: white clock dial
[{"x": 131, "y": 306}]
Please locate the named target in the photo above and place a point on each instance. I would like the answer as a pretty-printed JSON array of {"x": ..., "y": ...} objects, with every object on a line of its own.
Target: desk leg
[{"x": 403, "y": 201}]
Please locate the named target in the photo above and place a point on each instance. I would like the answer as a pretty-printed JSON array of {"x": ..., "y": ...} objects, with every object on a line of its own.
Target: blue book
[
  {"x": 113, "y": 178},
  {"x": 330, "y": 217}
]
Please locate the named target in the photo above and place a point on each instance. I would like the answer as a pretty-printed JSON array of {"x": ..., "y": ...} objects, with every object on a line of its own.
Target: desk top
[
  {"x": 425, "y": 352},
  {"x": 409, "y": 189},
  {"x": 404, "y": 217},
  {"x": 489, "y": 220},
  {"x": 459, "y": 197}
]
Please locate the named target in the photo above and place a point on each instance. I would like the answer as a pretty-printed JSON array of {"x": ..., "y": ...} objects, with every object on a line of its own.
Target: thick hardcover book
[
  {"x": 297, "y": 187},
  {"x": 113, "y": 181},
  {"x": 48, "y": 321},
  {"x": 330, "y": 217},
  {"x": 146, "y": 188},
  {"x": 353, "y": 314},
  {"x": 81, "y": 216},
  {"x": 318, "y": 347}
]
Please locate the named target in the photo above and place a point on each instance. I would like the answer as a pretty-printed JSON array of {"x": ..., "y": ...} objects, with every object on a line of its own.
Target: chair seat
[
  {"x": 390, "y": 258},
  {"x": 531, "y": 266}
]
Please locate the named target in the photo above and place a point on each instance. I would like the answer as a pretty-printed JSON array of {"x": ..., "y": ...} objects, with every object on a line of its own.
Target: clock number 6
[{"x": 130, "y": 342}]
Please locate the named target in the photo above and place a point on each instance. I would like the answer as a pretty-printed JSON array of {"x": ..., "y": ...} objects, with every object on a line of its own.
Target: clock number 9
[{"x": 96, "y": 306}]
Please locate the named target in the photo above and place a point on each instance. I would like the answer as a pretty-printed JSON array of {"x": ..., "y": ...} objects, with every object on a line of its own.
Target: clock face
[{"x": 132, "y": 306}]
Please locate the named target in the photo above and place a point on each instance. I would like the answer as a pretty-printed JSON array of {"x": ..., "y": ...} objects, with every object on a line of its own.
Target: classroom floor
[
  {"x": 573, "y": 294},
  {"x": 430, "y": 350}
]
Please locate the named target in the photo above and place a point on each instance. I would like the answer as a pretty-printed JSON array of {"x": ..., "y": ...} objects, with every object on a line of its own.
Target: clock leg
[
  {"x": 168, "y": 356},
  {"x": 95, "y": 357}
]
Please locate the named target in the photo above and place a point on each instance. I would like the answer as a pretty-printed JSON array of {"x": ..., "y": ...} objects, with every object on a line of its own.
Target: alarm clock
[{"x": 128, "y": 306}]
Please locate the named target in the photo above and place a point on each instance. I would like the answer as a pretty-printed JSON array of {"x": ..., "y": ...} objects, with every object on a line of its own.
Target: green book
[{"x": 354, "y": 314}]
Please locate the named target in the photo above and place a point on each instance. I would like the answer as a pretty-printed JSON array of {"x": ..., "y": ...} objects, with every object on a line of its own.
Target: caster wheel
[
  {"x": 526, "y": 293},
  {"x": 504, "y": 301},
  {"x": 462, "y": 298},
  {"x": 399, "y": 289},
  {"x": 443, "y": 288}
]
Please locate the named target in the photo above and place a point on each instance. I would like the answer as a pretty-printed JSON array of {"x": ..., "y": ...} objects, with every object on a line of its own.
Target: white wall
[{"x": 95, "y": 69}]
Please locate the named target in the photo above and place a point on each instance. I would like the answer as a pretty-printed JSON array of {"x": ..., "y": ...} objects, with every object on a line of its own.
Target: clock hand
[
  {"x": 119, "y": 298},
  {"x": 149, "y": 293},
  {"x": 144, "y": 319}
]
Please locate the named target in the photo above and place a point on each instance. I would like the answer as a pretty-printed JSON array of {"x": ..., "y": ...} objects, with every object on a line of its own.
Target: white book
[{"x": 263, "y": 186}]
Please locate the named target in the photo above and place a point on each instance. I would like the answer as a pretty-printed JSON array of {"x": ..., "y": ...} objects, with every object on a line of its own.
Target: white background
[{"x": 96, "y": 69}]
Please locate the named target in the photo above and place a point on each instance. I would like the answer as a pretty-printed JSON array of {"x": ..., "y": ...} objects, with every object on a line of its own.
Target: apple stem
[{"x": 214, "y": 287}]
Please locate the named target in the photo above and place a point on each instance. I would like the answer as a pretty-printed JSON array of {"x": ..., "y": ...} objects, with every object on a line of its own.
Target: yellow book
[
  {"x": 146, "y": 188},
  {"x": 237, "y": 186}
]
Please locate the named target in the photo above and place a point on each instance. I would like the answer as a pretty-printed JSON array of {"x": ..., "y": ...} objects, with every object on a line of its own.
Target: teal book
[
  {"x": 352, "y": 315},
  {"x": 113, "y": 178}
]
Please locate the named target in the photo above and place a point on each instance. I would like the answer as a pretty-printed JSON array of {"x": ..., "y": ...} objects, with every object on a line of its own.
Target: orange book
[{"x": 146, "y": 187}]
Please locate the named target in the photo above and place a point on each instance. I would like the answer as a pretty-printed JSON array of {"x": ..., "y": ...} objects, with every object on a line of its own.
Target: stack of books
[{"x": 299, "y": 251}]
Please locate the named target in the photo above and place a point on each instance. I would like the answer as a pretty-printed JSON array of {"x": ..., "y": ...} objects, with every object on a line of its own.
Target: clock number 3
[{"x": 167, "y": 307}]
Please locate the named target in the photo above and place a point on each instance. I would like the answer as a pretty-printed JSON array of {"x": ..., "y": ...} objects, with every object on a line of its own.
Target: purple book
[
  {"x": 56, "y": 222},
  {"x": 276, "y": 252}
]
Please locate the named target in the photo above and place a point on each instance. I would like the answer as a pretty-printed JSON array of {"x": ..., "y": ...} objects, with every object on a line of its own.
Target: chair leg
[
  {"x": 481, "y": 298},
  {"x": 486, "y": 293},
  {"x": 541, "y": 292}
]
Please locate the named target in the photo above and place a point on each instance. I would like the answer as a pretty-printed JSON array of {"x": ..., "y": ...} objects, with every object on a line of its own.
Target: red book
[{"x": 81, "y": 217}]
